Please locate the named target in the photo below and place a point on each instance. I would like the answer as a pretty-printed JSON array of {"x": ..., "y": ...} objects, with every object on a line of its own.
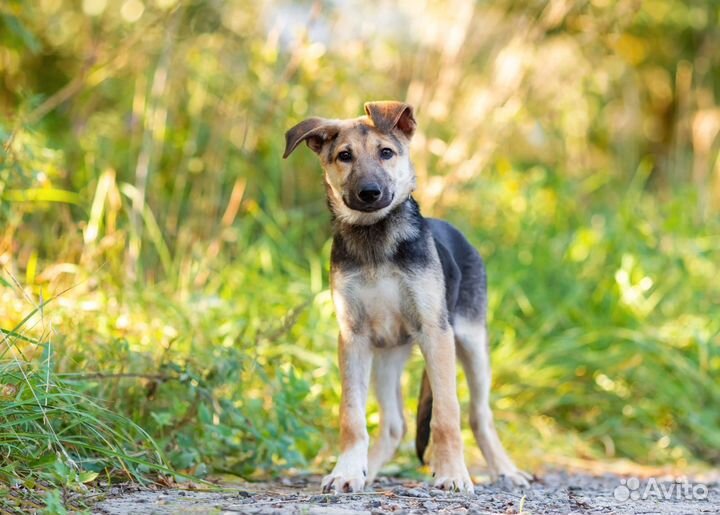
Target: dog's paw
[
  {"x": 453, "y": 478},
  {"x": 455, "y": 484},
  {"x": 514, "y": 477},
  {"x": 339, "y": 484},
  {"x": 349, "y": 474}
]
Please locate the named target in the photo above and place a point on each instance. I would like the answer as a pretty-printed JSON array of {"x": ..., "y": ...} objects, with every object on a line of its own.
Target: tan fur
[
  {"x": 473, "y": 352},
  {"x": 388, "y": 364},
  {"x": 399, "y": 169},
  {"x": 350, "y": 472},
  {"x": 381, "y": 308},
  {"x": 383, "y": 304},
  {"x": 379, "y": 293},
  {"x": 447, "y": 460}
]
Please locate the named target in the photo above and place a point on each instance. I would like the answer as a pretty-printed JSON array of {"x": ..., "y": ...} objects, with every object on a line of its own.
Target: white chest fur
[{"x": 376, "y": 306}]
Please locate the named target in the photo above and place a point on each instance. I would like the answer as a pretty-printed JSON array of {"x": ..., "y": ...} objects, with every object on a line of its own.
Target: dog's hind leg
[
  {"x": 388, "y": 364},
  {"x": 473, "y": 352}
]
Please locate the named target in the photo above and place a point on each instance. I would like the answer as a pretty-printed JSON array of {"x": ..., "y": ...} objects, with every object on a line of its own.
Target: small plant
[{"x": 56, "y": 439}]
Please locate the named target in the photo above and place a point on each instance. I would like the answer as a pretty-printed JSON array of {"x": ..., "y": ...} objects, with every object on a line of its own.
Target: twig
[{"x": 102, "y": 375}]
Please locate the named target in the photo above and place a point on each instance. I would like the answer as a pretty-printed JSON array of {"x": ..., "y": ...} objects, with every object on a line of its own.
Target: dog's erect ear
[
  {"x": 315, "y": 131},
  {"x": 387, "y": 115}
]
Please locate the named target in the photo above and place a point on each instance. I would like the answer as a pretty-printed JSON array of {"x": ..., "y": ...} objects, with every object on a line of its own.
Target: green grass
[
  {"x": 56, "y": 437},
  {"x": 599, "y": 317},
  {"x": 601, "y": 313},
  {"x": 238, "y": 375}
]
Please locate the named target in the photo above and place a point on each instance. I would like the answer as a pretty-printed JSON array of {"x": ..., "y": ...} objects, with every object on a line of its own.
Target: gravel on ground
[{"x": 555, "y": 492}]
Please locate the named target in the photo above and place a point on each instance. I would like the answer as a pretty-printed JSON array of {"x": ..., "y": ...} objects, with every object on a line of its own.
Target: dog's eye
[
  {"x": 386, "y": 153},
  {"x": 345, "y": 156}
]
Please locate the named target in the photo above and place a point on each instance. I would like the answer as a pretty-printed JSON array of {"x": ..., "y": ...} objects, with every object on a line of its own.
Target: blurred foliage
[{"x": 575, "y": 142}]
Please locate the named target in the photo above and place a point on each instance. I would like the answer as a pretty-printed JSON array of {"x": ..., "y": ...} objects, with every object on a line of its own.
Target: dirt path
[{"x": 555, "y": 492}]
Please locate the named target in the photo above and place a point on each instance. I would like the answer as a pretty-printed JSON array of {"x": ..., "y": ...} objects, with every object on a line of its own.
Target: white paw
[
  {"x": 340, "y": 484},
  {"x": 514, "y": 476},
  {"x": 461, "y": 484},
  {"x": 452, "y": 477},
  {"x": 349, "y": 474}
]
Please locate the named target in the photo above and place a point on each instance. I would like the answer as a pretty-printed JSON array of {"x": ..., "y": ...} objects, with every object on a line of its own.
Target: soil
[{"x": 555, "y": 492}]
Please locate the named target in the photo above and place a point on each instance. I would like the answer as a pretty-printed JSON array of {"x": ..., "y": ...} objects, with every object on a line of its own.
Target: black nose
[{"x": 369, "y": 193}]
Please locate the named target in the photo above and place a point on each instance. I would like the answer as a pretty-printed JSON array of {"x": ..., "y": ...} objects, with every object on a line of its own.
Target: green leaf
[
  {"x": 88, "y": 476},
  {"x": 204, "y": 414},
  {"x": 16, "y": 27},
  {"x": 163, "y": 418}
]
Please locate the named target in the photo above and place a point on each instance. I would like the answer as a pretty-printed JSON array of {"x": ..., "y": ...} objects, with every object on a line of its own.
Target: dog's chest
[{"x": 383, "y": 304}]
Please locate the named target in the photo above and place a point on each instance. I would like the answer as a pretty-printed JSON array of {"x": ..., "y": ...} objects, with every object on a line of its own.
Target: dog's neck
[{"x": 376, "y": 243}]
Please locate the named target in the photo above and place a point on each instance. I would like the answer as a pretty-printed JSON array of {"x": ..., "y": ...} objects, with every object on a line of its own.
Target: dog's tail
[{"x": 424, "y": 414}]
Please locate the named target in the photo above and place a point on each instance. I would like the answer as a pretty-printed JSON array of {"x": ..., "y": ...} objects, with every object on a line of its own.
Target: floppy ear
[
  {"x": 315, "y": 131},
  {"x": 387, "y": 115}
]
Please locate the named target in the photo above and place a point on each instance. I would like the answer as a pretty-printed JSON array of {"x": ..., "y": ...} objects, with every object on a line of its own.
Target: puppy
[{"x": 398, "y": 279}]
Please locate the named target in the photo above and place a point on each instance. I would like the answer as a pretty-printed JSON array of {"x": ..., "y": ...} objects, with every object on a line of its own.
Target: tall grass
[
  {"x": 55, "y": 436},
  {"x": 602, "y": 315}
]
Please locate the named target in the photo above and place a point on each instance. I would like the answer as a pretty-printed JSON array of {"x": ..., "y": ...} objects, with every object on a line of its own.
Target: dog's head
[{"x": 366, "y": 160}]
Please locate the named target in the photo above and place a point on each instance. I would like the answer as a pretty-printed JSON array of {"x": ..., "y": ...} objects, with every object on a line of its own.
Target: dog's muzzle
[{"x": 369, "y": 197}]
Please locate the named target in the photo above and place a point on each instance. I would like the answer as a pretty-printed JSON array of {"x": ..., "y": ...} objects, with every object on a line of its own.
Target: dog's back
[{"x": 464, "y": 271}]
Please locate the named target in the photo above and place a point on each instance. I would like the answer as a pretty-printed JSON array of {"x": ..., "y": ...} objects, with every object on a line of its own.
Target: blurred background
[{"x": 164, "y": 292}]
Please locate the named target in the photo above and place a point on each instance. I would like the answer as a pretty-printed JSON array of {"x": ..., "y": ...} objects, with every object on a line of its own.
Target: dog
[{"x": 398, "y": 278}]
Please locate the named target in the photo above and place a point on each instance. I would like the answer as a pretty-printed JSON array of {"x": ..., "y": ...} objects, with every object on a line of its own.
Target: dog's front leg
[
  {"x": 448, "y": 464},
  {"x": 350, "y": 471}
]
